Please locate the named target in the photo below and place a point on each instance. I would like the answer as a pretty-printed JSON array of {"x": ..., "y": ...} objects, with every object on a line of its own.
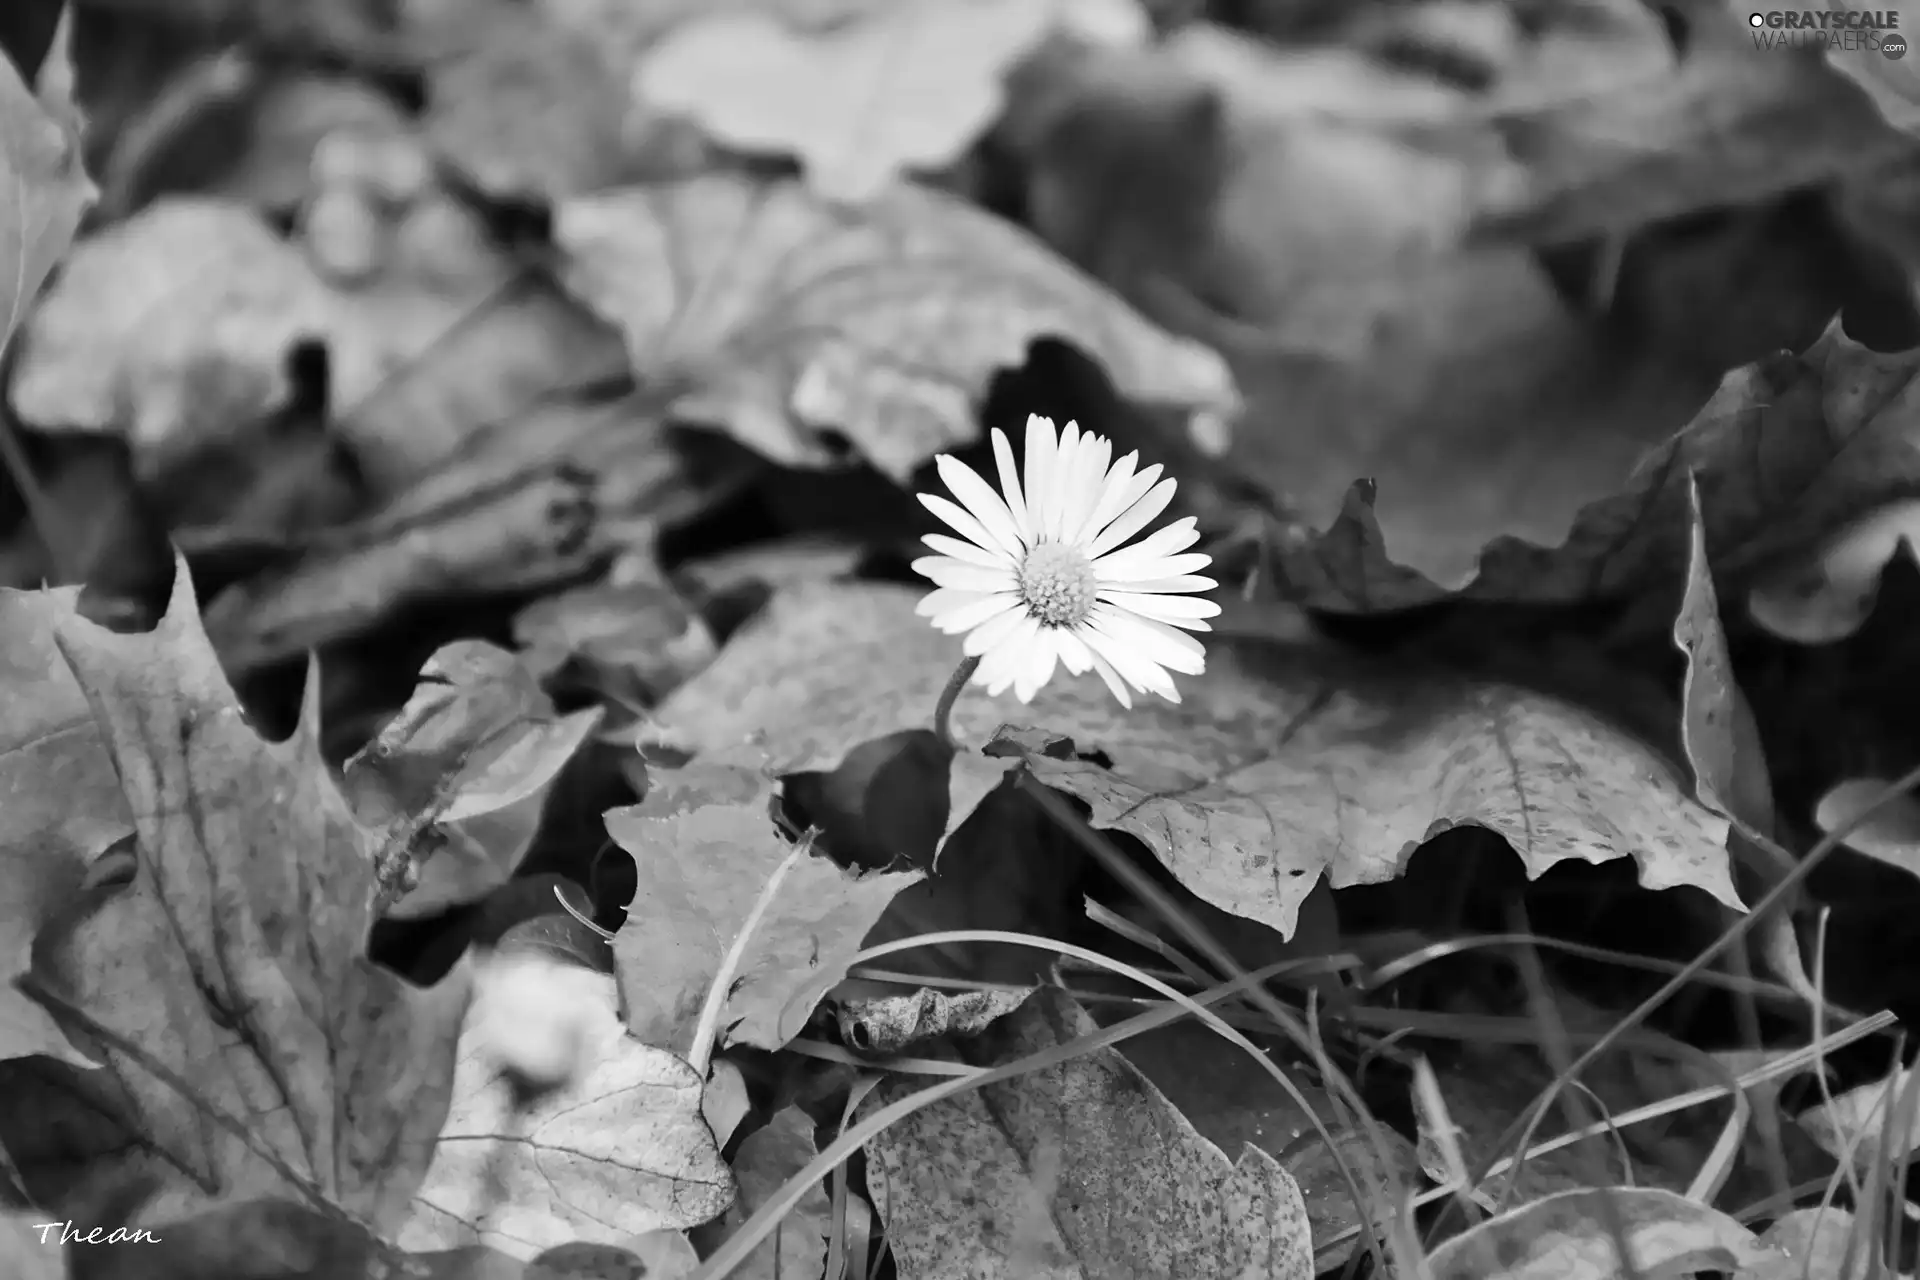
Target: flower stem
[{"x": 944, "y": 708}]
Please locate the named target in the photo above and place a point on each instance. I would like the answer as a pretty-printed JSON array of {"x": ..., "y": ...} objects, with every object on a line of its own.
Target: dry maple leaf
[
  {"x": 1078, "y": 1170},
  {"x": 704, "y": 846},
  {"x": 1280, "y": 764},
  {"x": 60, "y": 800},
  {"x": 246, "y": 1035},
  {"x": 779, "y": 317}
]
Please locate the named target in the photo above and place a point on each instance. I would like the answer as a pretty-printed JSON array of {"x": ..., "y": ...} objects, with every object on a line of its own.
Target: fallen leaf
[
  {"x": 1725, "y": 123},
  {"x": 780, "y": 318},
  {"x": 705, "y": 846},
  {"x": 630, "y": 643},
  {"x": 48, "y": 191},
  {"x": 907, "y": 86},
  {"x": 767, "y": 1159},
  {"x": 1811, "y": 1244},
  {"x": 1077, "y": 1169},
  {"x": 25, "y": 1252},
  {"x": 60, "y": 803},
  {"x": 1786, "y": 452},
  {"x": 1568, "y": 1237},
  {"x": 468, "y": 759},
  {"x": 1825, "y": 595},
  {"x": 1281, "y": 763},
  {"x": 1862, "y": 1126},
  {"x": 532, "y": 100},
  {"x": 179, "y": 322},
  {"x": 1890, "y": 833},
  {"x": 236, "y": 956},
  {"x": 619, "y": 1152},
  {"x": 899, "y": 1023},
  {"x": 1855, "y": 54}
]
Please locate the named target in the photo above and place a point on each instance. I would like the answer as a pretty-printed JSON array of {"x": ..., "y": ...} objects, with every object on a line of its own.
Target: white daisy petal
[
  {"x": 1061, "y": 480},
  {"x": 1129, "y": 571},
  {"x": 1037, "y": 668},
  {"x": 1074, "y": 654},
  {"x": 944, "y": 600},
  {"x": 998, "y": 668},
  {"x": 1133, "y": 519},
  {"x": 963, "y": 524},
  {"x": 1115, "y": 684},
  {"x": 1137, "y": 487},
  {"x": 981, "y": 502},
  {"x": 946, "y": 572},
  {"x": 974, "y": 613},
  {"x": 1160, "y": 586},
  {"x": 1133, "y": 666},
  {"x": 1166, "y": 608},
  {"x": 1040, "y": 457},
  {"x": 960, "y": 549},
  {"x": 991, "y": 633},
  {"x": 1114, "y": 487},
  {"x": 1010, "y": 487},
  {"x": 1161, "y": 544},
  {"x": 1096, "y": 452},
  {"x": 1012, "y": 655},
  {"x": 1155, "y": 641}
]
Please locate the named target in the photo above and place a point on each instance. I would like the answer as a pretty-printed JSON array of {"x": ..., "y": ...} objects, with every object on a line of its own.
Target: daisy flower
[{"x": 1040, "y": 574}]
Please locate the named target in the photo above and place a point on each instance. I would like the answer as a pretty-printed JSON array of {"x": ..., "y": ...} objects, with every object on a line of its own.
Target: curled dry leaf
[
  {"x": 1787, "y": 451},
  {"x": 896, "y": 1023},
  {"x": 60, "y": 802},
  {"x": 1081, "y": 1169},
  {"x": 619, "y": 1152},
  {"x": 181, "y": 320},
  {"x": 1812, "y": 1244},
  {"x": 704, "y": 846},
  {"x": 901, "y": 87},
  {"x": 236, "y": 956},
  {"x": 1568, "y": 1237},
  {"x": 1863, "y": 1125},
  {"x": 1282, "y": 763},
  {"x": 779, "y": 317},
  {"x": 1826, "y": 595},
  {"x": 1887, "y": 829},
  {"x": 468, "y": 760}
]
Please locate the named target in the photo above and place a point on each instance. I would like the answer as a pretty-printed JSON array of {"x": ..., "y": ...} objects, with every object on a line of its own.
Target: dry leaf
[
  {"x": 530, "y": 99},
  {"x": 60, "y": 802},
  {"x": 1078, "y": 1170},
  {"x": 780, "y": 318},
  {"x": 619, "y": 1152},
  {"x": 1280, "y": 764},
  {"x": 1890, "y": 833},
  {"x": 47, "y": 191},
  {"x": 1812, "y": 1244},
  {"x": 1788, "y": 451},
  {"x": 704, "y": 844},
  {"x": 767, "y": 1159},
  {"x": 1568, "y": 1237},
  {"x": 180, "y": 321},
  {"x": 235, "y": 958},
  {"x": 471, "y": 754},
  {"x": 907, "y": 86},
  {"x": 1824, "y": 595}
]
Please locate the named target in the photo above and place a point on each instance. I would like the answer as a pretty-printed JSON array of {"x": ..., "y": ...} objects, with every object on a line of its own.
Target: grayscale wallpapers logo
[{"x": 1867, "y": 30}]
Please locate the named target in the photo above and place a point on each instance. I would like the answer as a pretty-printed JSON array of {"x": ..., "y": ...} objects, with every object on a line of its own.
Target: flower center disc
[{"x": 1057, "y": 583}]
